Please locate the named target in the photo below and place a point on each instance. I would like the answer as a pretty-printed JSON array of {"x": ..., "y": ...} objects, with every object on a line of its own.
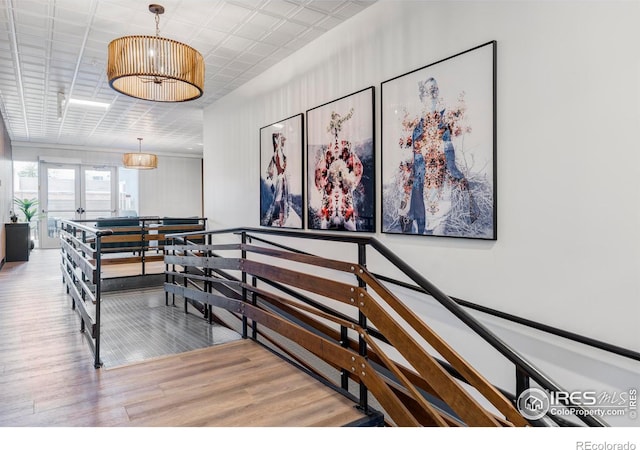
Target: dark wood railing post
[{"x": 362, "y": 321}]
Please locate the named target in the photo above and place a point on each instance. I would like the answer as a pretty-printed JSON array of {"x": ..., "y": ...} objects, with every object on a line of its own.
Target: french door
[{"x": 72, "y": 191}]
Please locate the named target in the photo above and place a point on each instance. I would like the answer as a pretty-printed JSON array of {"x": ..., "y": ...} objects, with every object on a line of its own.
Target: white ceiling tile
[
  {"x": 307, "y": 16},
  {"x": 234, "y": 12},
  {"x": 280, "y": 7},
  {"x": 277, "y": 38},
  {"x": 251, "y": 31},
  {"x": 350, "y": 9},
  {"x": 326, "y": 6},
  {"x": 32, "y": 7},
  {"x": 262, "y": 49},
  {"x": 237, "y": 44},
  {"x": 328, "y": 23},
  {"x": 264, "y": 20},
  {"x": 292, "y": 28}
]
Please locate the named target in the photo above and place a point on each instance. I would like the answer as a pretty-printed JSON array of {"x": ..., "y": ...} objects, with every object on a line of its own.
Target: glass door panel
[
  {"x": 98, "y": 192},
  {"x": 60, "y": 189}
]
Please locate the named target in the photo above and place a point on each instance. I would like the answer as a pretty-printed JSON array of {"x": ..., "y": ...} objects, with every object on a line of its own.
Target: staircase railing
[
  {"x": 81, "y": 268},
  {"x": 342, "y": 314},
  {"x": 83, "y": 244}
]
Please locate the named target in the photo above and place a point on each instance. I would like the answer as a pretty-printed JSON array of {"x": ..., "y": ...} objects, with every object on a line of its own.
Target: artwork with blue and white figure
[
  {"x": 438, "y": 148},
  {"x": 341, "y": 164},
  {"x": 281, "y": 171}
]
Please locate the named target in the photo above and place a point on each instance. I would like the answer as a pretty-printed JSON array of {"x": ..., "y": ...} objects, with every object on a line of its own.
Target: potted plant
[{"x": 28, "y": 207}]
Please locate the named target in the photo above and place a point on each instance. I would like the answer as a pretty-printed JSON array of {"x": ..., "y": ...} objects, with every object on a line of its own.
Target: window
[{"x": 25, "y": 184}]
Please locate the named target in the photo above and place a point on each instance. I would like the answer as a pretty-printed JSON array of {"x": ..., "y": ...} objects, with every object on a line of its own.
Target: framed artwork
[
  {"x": 439, "y": 148},
  {"x": 281, "y": 173},
  {"x": 341, "y": 164}
]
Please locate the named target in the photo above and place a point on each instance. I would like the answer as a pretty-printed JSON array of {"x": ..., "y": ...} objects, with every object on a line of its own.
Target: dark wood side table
[{"x": 17, "y": 241}]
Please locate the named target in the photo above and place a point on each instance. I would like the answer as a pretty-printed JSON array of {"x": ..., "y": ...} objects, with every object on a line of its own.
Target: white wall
[
  {"x": 174, "y": 189},
  {"x": 567, "y": 252}
]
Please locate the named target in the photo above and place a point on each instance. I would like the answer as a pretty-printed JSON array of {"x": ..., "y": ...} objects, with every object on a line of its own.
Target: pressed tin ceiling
[{"x": 52, "y": 46}]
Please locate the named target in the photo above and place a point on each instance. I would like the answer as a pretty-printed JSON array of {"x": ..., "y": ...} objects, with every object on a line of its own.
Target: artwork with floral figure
[
  {"x": 340, "y": 164},
  {"x": 438, "y": 155}
]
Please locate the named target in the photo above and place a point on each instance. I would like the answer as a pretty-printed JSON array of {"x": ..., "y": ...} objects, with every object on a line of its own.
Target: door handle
[{"x": 80, "y": 210}]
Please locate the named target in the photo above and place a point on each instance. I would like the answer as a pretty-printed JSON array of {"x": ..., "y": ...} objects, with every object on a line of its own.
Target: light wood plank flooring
[
  {"x": 47, "y": 377},
  {"x": 131, "y": 269}
]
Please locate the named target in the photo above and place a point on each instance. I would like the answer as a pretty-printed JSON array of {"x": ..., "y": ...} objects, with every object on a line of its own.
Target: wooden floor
[
  {"x": 131, "y": 269},
  {"x": 47, "y": 376}
]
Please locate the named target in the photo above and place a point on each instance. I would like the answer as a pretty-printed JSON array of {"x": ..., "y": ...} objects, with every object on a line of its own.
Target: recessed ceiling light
[{"x": 77, "y": 101}]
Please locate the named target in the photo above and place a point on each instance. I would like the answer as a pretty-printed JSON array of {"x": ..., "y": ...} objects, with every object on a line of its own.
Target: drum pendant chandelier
[
  {"x": 155, "y": 68},
  {"x": 140, "y": 160}
]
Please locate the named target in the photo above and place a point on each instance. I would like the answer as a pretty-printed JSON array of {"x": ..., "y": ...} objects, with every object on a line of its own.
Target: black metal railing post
[
  {"x": 208, "y": 309},
  {"x": 362, "y": 321},
  {"x": 254, "y": 302},
  {"x": 243, "y": 255},
  {"x": 523, "y": 382},
  {"x": 344, "y": 342},
  {"x": 98, "y": 281},
  {"x": 143, "y": 253},
  {"x": 173, "y": 269},
  {"x": 186, "y": 278},
  {"x": 83, "y": 277},
  {"x": 165, "y": 252}
]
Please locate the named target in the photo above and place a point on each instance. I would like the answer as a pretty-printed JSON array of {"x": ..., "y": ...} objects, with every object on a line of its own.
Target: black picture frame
[
  {"x": 281, "y": 173},
  {"x": 439, "y": 126},
  {"x": 341, "y": 168}
]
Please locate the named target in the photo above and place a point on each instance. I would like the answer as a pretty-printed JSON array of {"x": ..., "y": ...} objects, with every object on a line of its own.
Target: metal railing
[
  {"x": 81, "y": 268},
  {"x": 213, "y": 270},
  {"x": 84, "y": 244},
  {"x": 140, "y": 240}
]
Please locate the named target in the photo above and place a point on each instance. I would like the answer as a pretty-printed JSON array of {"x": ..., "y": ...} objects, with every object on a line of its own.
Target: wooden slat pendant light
[
  {"x": 140, "y": 160},
  {"x": 155, "y": 68}
]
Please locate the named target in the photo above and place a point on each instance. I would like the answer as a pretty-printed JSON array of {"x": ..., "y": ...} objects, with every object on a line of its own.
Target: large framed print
[
  {"x": 281, "y": 173},
  {"x": 341, "y": 164},
  {"x": 439, "y": 148}
]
